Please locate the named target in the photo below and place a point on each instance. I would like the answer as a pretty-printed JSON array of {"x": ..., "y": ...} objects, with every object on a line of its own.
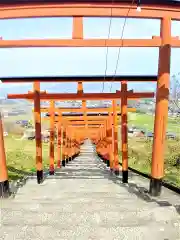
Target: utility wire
[
  {"x": 122, "y": 34},
  {"x": 107, "y": 48}
]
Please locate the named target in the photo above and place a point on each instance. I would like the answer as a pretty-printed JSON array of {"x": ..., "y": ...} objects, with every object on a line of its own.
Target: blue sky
[{"x": 80, "y": 61}]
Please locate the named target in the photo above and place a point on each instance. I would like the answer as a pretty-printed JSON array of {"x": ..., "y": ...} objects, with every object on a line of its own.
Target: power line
[
  {"x": 107, "y": 49},
  {"x": 122, "y": 34}
]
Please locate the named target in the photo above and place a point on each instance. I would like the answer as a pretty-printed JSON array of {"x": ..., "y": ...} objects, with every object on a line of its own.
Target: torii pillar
[
  {"x": 37, "y": 120},
  {"x": 110, "y": 136},
  {"x": 124, "y": 132},
  {"x": 115, "y": 140},
  {"x": 4, "y": 183},
  {"x": 59, "y": 141},
  {"x": 52, "y": 129},
  {"x": 80, "y": 91},
  {"x": 161, "y": 113},
  {"x": 63, "y": 145}
]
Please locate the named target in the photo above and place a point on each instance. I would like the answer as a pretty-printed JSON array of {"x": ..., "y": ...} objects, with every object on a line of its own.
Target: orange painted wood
[
  {"x": 87, "y": 10},
  {"x": 37, "y": 120},
  {"x": 84, "y": 96},
  {"x": 110, "y": 136},
  {"x": 80, "y": 110},
  {"x": 52, "y": 129},
  {"x": 115, "y": 138},
  {"x": 59, "y": 142},
  {"x": 77, "y": 28},
  {"x": 162, "y": 97},
  {"x": 3, "y": 165},
  {"x": 27, "y": 43},
  {"x": 124, "y": 128}
]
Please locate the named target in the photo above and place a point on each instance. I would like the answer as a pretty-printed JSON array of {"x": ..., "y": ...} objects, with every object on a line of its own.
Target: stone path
[{"x": 84, "y": 201}]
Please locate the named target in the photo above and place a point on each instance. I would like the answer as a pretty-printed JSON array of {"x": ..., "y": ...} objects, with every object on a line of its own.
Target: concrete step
[
  {"x": 74, "y": 195},
  {"x": 66, "y": 197},
  {"x": 154, "y": 211},
  {"x": 88, "y": 232},
  {"x": 80, "y": 205},
  {"x": 100, "y": 217}
]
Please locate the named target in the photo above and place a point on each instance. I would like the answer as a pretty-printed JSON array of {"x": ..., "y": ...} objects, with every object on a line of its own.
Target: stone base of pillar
[
  {"x": 4, "y": 189},
  {"x": 51, "y": 169},
  {"x": 155, "y": 187},
  {"x": 51, "y": 172},
  {"x": 39, "y": 176},
  {"x": 108, "y": 163},
  {"x": 116, "y": 172},
  {"x": 63, "y": 163},
  {"x": 125, "y": 176}
]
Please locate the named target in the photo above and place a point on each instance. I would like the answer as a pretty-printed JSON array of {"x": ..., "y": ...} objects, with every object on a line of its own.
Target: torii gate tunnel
[{"x": 106, "y": 136}]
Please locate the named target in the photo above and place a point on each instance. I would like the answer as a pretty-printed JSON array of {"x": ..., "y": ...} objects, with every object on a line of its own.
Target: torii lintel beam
[
  {"x": 45, "y": 8},
  {"x": 83, "y": 96}
]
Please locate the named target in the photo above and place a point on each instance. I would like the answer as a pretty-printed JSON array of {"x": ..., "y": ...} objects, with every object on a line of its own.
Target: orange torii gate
[
  {"x": 114, "y": 166},
  {"x": 84, "y": 109},
  {"x": 85, "y": 122},
  {"x": 60, "y": 120},
  {"x": 64, "y": 139},
  {"x": 166, "y": 11},
  {"x": 80, "y": 95},
  {"x": 64, "y": 143},
  {"x": 52, "y": 122},
  {"x": 52, "y": 110},
  {"x": 38, "y": 96}
]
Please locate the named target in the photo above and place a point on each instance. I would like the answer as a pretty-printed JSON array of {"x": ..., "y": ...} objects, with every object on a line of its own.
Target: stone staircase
[{"x": 85, "y": 201}]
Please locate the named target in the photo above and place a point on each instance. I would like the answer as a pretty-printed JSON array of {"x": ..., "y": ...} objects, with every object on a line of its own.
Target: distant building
[{"x": 5, "y": 113}]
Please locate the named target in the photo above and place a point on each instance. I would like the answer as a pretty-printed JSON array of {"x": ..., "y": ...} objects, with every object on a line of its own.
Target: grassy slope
[
  {"x": 21, "y": 156},
  {"x": 140, "y": 152},
  {"x": 147, "y": 121},
  {"x": 140, "y": 155}
]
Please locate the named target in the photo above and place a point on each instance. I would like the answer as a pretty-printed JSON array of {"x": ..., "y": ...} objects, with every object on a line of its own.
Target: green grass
[
  {"x": 147, "y": 122},
  {"x": 141, "y": 120},
  {"x": 20, "y": 156},
  {"x": 140, "y": 155},
  {"x": 140, "y": 151}
]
